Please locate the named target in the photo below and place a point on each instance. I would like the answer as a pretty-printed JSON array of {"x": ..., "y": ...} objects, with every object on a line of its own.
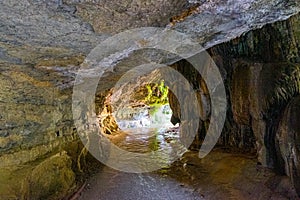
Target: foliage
[{"x": 157, "y": 94}]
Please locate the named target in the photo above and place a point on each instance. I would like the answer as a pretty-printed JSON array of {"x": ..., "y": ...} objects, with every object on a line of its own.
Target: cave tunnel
[{"x": 105, "y": 99}]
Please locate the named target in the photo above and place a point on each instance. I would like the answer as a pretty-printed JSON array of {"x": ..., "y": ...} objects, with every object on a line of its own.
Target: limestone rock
[
  {"x": 115, "y": 16},
  {"x": 288, "y": 138},
  {"x": 52, "y": 178},
  {"x": 43, "y": 43}
]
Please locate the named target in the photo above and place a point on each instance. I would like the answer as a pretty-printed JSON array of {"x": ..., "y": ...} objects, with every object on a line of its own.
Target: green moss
[
  {"x": 14, "y": 183},
  {"x": 154, "y": 144},
  {"x": 157, "y": 94},
  {"x": 52, "y": 179}
]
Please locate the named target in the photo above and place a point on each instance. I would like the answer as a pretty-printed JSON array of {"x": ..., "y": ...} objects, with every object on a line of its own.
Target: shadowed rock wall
[
  {"x": 261, "y": 74},
  {"x": 43, "y": 43}
]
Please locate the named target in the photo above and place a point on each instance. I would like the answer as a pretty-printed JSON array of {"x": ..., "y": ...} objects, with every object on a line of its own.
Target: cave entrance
[
  {"x": 137, "y": 117},
  {"x": 149, "y": 108}
]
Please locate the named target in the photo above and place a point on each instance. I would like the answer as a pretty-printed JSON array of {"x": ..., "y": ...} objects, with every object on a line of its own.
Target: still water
[{"x": 221, "y": 175}]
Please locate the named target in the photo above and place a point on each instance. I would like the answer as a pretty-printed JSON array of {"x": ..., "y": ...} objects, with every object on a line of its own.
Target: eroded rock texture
[
  {"x": 116, "y": 16},
  {"x": 43, "y": 43},
  {"x": 53, "y": 177},
  {"x": 288, "y": 140},
  {"x": 261, "y": 72}
]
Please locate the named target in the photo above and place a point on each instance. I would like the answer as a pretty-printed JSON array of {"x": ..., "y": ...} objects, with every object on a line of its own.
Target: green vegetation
[
  {"x": 157, "y": 94},
  {"x": 154, "y": 144}
]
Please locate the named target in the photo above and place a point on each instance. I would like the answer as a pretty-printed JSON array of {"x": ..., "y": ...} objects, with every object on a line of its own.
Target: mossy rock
[{"x": 53, "y": 178}]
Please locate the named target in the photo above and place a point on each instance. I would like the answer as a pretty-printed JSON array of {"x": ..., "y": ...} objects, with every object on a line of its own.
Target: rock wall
[
  {"x": 263, "y": 78},
  {"x": 288, "y": 140},
  {"x": 261, "y": 73},
  {"x": 43, "y": 43}
]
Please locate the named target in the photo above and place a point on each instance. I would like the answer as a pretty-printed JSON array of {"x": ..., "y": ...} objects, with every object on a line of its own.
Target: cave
[
  {"x": 149, "y": 99},
  {"x": 137, "y": 116}
]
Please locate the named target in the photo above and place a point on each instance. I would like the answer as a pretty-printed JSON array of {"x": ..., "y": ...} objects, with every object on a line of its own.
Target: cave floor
[{"x": 220, "y": 175}]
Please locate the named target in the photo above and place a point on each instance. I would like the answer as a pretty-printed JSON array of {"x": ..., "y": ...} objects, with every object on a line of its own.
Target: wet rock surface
[
  {"x": 43, "y": 43},
  {"x": 136, "y": 186},
  {"x": 223, "y": 174},
  {"x": 219, "y": 176},
  {"x": 288, "y": 141},
  {"x": 253, "y": 67}
]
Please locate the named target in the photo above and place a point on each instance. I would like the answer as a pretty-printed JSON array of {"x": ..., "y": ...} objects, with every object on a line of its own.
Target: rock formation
[{"x": 43, "y": 43}]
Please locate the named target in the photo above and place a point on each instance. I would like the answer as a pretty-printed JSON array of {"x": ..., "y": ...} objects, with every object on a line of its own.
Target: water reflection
[
  {"x": 148, "y": 147},
  {"x": 143, "y": 140},
  {"x": 157, "y": 116},
  {"x": 146, "y": 129}
]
